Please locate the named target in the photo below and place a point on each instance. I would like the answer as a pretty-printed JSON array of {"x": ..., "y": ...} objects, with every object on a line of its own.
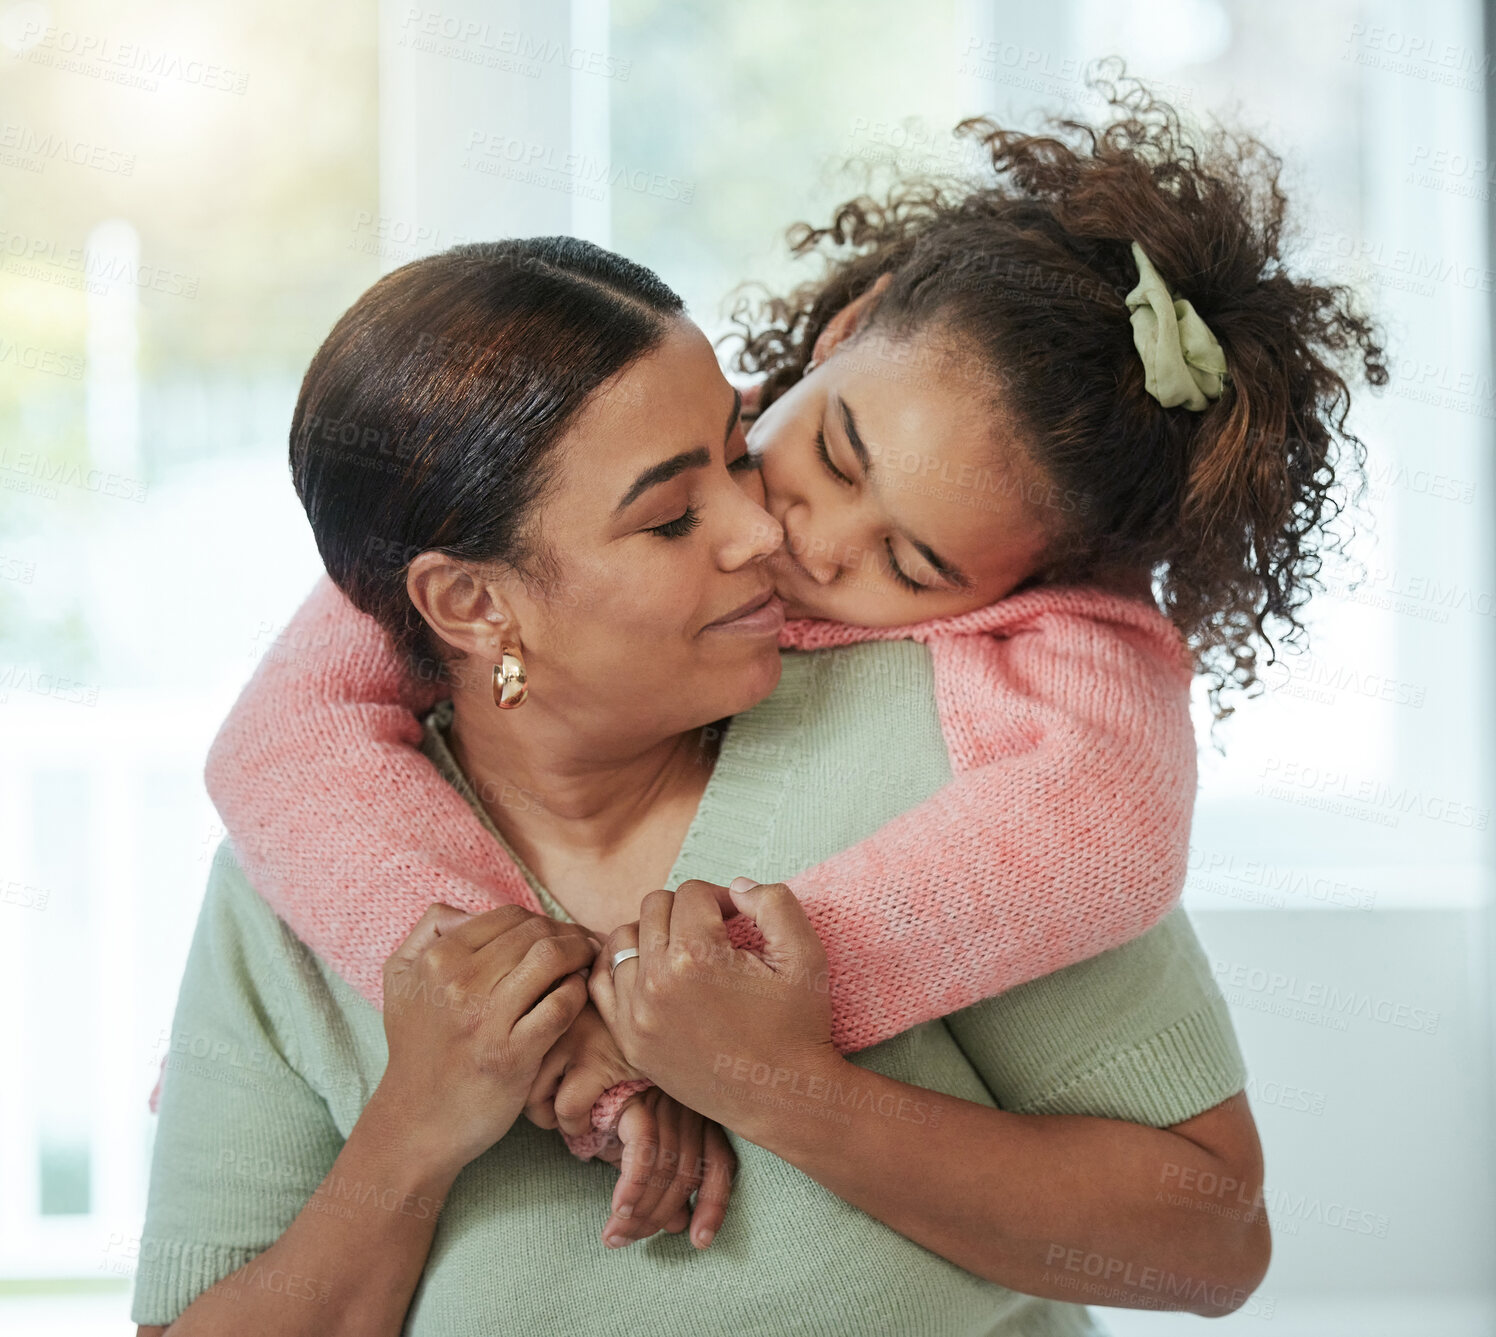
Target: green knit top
[{"x": 273, "y": 1057}]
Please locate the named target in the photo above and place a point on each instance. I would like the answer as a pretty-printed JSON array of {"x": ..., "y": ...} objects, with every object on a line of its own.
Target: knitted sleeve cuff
[
  {"x": 605, "y": 1115},
  {"x": 171, "y": 1274},
  {"x": 1180, "y": 1072}
]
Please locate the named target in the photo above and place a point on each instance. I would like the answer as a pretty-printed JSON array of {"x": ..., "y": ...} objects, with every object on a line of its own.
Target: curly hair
[{"x": 1231, "y": 509}]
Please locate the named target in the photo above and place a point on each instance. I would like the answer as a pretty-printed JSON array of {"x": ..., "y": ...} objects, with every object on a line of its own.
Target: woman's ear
[
  {"x": 848, "y": 320},
  {"x": 468, "y": 611}
]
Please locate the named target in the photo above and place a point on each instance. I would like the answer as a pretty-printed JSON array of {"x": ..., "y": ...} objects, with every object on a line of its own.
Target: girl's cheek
[
  {"x": 771, "y": 473},
  {"x": 751, "y": 481}
]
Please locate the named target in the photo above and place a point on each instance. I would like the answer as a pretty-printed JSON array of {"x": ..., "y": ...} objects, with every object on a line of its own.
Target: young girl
[{"x": 1072, "y": 428}]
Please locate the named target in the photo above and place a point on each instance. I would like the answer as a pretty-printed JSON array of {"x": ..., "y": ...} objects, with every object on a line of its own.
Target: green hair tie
[{"x": 1184, "y": 363}]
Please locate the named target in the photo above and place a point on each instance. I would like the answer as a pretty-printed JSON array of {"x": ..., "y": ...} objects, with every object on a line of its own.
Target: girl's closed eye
[
  {"x": 825, "y": 455},
  {"x": 898, "y": 572}
]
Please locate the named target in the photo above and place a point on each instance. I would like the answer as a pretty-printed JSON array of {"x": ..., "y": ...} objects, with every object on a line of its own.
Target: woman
[{"x": 352, "y": 1133}]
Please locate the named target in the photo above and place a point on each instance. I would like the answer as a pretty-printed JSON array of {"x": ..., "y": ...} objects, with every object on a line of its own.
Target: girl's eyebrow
[
  {"x": 849, "y": 424},
  {"x": 949, "y": 570},
  {"x": 734, "y": 416}
]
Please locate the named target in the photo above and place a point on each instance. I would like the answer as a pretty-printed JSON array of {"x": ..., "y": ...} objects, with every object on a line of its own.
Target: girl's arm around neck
[{"x": 1085, "y": 1210}]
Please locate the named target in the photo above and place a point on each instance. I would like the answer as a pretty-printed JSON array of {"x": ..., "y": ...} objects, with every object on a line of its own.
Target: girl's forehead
[
  {"x": 944, "y": 460},
  {"x": 922, "y": 417}
]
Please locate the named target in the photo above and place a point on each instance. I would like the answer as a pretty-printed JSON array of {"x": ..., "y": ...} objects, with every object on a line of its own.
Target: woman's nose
[{"x": 755, "y": 534}]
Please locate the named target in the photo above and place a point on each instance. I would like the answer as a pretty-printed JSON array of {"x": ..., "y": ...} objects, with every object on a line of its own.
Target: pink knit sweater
[{"x": 1064, "y": 830}]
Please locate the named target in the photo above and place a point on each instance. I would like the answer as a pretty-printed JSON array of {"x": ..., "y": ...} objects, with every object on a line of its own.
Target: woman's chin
[{"x": 756, "y": 680}]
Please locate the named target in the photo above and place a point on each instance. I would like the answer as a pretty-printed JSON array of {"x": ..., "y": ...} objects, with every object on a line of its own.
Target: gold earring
[{"x": 510, "y": 685}]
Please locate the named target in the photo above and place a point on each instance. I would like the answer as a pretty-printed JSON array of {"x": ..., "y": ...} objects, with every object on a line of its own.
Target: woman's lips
[{"x": 764, "y": 616}]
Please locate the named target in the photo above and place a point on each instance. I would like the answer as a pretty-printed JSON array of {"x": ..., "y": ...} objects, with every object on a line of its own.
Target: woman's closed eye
[
  {"x": 688, "y": 519},
  {"x": 682, "y": 525}
]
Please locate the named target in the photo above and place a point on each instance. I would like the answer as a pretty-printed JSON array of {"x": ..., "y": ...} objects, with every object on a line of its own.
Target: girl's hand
[
  {"x": 580, "y": 1066},
  {"x": 665, "y": 1151},
  {"x": 472, "y": 1004},
  {"x": 668, "y": 1153},
  {"x": 724, "y": 1031}
]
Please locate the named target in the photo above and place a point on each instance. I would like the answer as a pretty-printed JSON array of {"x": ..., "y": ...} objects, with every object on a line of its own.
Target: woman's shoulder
[
  {"x": 1139, "y": 1032},
  {"x": 248, "y": 975},
  {"x": 253, "y": 948}
]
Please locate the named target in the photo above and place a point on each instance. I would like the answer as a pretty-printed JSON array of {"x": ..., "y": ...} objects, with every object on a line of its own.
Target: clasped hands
[
  {"x": 706, "y": 1022},
  {"x": 691, "y": 1013}
]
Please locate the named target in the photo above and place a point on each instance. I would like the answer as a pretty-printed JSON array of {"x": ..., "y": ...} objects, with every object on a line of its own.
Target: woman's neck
[{"x": 598, "y": 825}]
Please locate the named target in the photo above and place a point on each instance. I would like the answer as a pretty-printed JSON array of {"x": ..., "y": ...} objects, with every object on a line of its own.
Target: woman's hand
[
  {"x": 472, "y": 1004},
  {"x": 668, "y": 1153},
  {"x": 726, "y": 1032}
]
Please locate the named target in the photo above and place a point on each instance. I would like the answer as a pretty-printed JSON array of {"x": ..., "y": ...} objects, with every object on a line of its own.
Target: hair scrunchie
[{"x": 1183, "y": 361}]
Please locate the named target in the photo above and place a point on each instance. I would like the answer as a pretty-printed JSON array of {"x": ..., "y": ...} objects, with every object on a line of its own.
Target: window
[{"x": 189, "y": 195}]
